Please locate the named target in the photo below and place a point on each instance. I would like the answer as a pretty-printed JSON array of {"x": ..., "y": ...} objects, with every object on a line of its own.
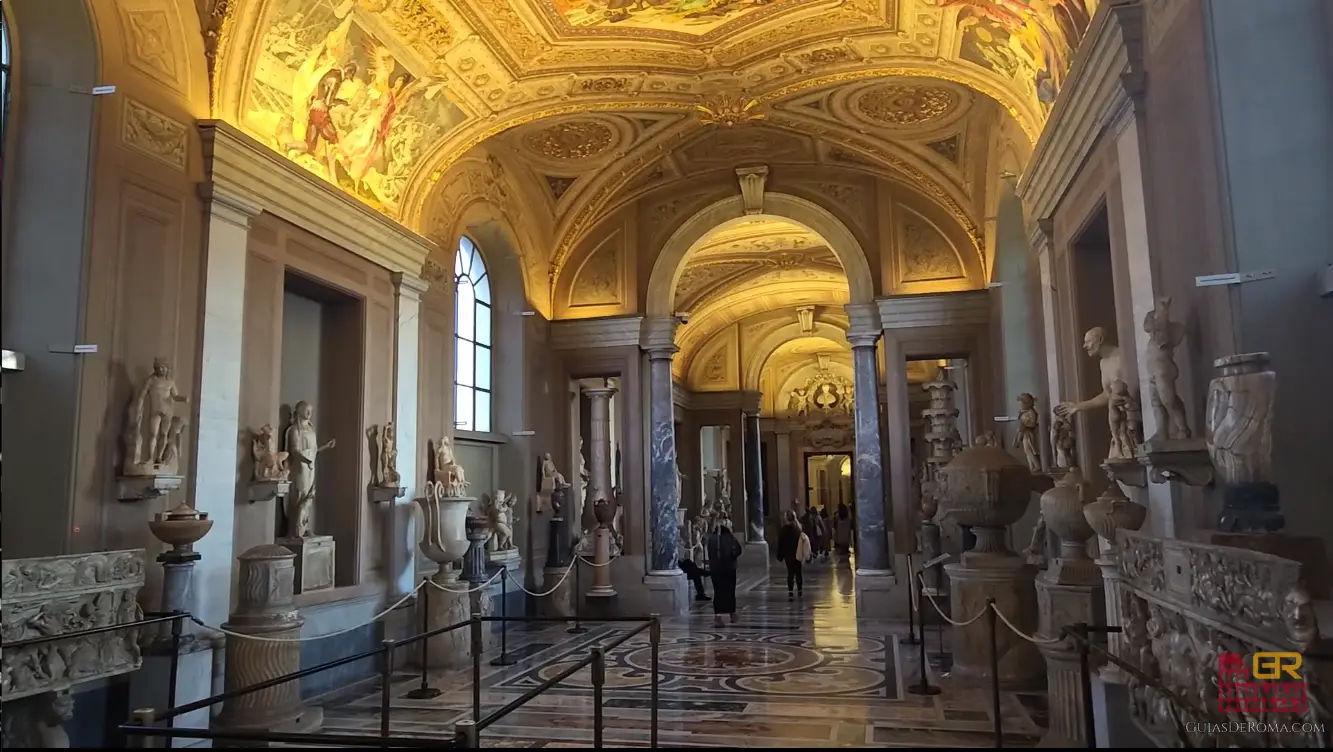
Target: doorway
[{"x": 828, "y": 481}]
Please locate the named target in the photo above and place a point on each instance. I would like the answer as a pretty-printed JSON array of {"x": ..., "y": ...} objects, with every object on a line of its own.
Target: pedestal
[
  {"x": 1062, "y": 605},
  {"x": 509, "y": 559},
  {"x": 314, "y": 561},
  {"x": 1184, "y": 460},
  {"x": 878, "y": 595},
  {"x": 1109, "y": 563},
  {"x": 138, "y": 487},
  {"x": 266, "y": 609},
  {"x": 268, "y": 490},
  {"x": 601, "y": 560},
  {"x": 1010, "y": 582},
  {"x": 384, "y": 494},
  {"x": 447, "y": 607},
  {"x": 668, "y": 592},
  {"x": 559, "y": 603},
  {"x": 474, "y": 562}
]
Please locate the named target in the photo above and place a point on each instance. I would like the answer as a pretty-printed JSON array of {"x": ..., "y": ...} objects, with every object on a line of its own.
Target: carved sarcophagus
[{"x": 58, "y": 595}]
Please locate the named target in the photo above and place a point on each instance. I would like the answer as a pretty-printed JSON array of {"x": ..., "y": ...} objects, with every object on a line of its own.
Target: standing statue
[
  {"x": 152, "y": 414},
  {"x": 1126, "y": 422},
  {"x": 500, "y": 513},
  {"x": 303, "y": 447},
  {"x": 1164, "y": 336},
  {"x": 270, "y": 464},
  {"x": 551, "y": 478},
  {"x": 1062, "y": 442},
  {"x": 1026, "y": 438},
  {"x": 723, "y": 488},
  {"x": 585, "y": 477},
  {"x": 448, "y": 471},
  {"x": 1112, "y": 370},
  {"x": 383, "y": 455},
  {"x": 799, "y": 403}
]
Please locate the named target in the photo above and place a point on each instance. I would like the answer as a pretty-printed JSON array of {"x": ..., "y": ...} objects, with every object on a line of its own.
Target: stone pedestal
[
  {"x": 265, "y": 608},
  {"x": 446, "y": 607},
  {"x": 1010, "y": 582},
  {"x": 1072, "y": 596},
  {"x": 668, "y": 592},
  {"x": 474, "y": 561},
  {"x": 559, "y": 603},
  {"x": 314, "y": 561},
  {"x": 601, "y": 560},
  {"x": 1109, "y": 563},
  {"x": 878, "y": 595},
  {"x": 509, "y": 559}
]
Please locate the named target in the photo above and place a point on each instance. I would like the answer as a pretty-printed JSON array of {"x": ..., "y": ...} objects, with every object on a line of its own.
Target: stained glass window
[{"x": 472, "y": 339}]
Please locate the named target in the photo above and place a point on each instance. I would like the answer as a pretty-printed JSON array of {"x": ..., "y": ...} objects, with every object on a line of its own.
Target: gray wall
[
  {"x": 302, "y": 334},
  {"x": 1271, "y": 71}
]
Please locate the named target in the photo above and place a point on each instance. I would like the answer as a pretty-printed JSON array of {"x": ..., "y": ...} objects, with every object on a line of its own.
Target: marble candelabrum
[
  {"x": 265, "y": 608},
  {"x": 444, "y": 540},
  {"x": 559, "y": 557},
  {"x": 51, "y": 596},
  {"x": 180, "y": 528},
  {"x": 151, "y": 437},
  {"x": 988, "y": 489}
]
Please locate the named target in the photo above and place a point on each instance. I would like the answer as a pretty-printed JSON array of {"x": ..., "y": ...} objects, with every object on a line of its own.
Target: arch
[
  {"x": 473, "y": 339},
  {"x": 728, "y": 212},
  {"x": 762, "y": 350}
]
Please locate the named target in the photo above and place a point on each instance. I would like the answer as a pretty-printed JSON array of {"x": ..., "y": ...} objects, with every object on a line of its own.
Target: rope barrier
[
  {"x": 325, "y": 636},
  {"x": 468, "y": 591},
  {"x": 554, "y": 587},
  {"x": 1032, "y": 639},
  {"x": 936, "y": 606}
]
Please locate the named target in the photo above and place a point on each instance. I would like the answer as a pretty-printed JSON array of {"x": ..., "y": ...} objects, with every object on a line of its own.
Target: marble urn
[
  {"x": 444, "y": 530},
  {"x": 181, "y": 528},
  {"x": 1062, "y": 508},
  {"x": 1107, "y": 515},
  {"x": 987, "y": 489}
]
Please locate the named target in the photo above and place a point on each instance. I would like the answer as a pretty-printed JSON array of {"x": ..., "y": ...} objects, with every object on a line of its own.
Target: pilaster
[{"x": 407, "y": 384}]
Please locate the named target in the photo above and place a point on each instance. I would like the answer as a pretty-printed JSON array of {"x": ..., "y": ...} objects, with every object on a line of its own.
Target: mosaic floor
[{"x": 801, "y": 673}]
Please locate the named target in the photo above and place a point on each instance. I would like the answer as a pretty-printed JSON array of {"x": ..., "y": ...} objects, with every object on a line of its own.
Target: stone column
[
  {"x": 664, "y": 579},
  {"x": 872, "y": 540},
  {"x": 407, "y": 371},
  {"x": 599, "y": 446},
  {"x": 898, "y": 447},
  {"x": 754, "y": 480}
]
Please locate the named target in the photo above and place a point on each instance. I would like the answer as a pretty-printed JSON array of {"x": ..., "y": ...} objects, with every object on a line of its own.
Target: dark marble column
[
  {"x": 754, "y": 480},
  {"x": 665, "y": 493},
  {"x": 872, "y": 540}
]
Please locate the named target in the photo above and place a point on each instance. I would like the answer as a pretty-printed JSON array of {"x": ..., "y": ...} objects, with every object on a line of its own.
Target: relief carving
[
  {"x": 846, "y": 197},
  {"x": 151, "y": 133},
  {"x": 150, "y": 33},
  {"x": 598, "y": 281},
  {"x": 715, "y": 368},
  {"x": 926, "y": 255}
]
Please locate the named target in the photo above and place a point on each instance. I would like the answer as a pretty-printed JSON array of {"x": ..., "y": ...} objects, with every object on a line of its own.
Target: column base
[
  {"x": 559, "y": 602},
  {"x": 668, "y": 592},
  {"x": 879, "y": 595}
]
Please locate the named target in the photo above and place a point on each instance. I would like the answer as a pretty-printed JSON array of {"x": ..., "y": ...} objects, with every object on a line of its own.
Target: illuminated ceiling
[{"x": 382, "y": 96}]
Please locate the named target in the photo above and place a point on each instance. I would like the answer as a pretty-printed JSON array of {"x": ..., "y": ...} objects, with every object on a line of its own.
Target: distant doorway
[{"x": 828, "y": 481}]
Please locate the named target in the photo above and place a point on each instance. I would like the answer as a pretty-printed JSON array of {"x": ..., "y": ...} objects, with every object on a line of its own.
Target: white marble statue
[
  {"x": 1159, "y": 359},
  {"x": 551, "y": 478},
  {"x": 152, "y": 416},
  {"x": 1062, "y": 442},
  {"x": 584, "y": 475},
  {"x": 303, "y": 448},
  {"x": 1026, "y": 438},
  {"x": 269, "y": 464},
  {"x": 383, "y": 455},
  {"x": 448, "y": 471},
  {"x": 500, "y": 513},
  {"x": 1125, "y": 420},
  {"x": 1112, "y": 370}
]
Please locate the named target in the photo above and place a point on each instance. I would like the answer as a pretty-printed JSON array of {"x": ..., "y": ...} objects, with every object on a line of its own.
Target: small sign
[
  {"x": 525, "y": 433},
  {"x": 85, "y": 349},
  {"x": 104, "y": 89},
  {"x": 1004, "y": 418},
  {"x": 935, "y": 562},
  {"x": 1235, "y": 278}
]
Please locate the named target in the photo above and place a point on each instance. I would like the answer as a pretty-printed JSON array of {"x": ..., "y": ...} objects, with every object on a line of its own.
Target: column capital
[
  {"x": 864, "y": 339},
  {"x": 657, "y": 336},
  {"x": 863, "y": 319},
  {"x": 409, "y": 286},
  {"x": 229, "y": 205},
  {"x": 1043, "y": 234}
]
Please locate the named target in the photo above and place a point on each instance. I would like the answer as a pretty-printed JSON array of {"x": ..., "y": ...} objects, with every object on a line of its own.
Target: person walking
[
  {"x": 724, "y": 553},
  {"x": 793, "y": 550},
  {"x": 842, "y": 533},
  {"x": 825, "y": 534}
]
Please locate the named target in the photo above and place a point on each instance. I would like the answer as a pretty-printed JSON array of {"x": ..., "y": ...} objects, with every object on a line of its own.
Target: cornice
[
  {"x": 1090, "y": 99},
  {"x": 240, "y": 170},
  {"x": 936, "y": 309},
  {"x": 584, "y": 334},
  {"x": 744, "y": 401}
]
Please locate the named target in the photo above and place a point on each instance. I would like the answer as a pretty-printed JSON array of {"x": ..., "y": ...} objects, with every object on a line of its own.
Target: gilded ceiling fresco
[{"x": 690, "y": 18}]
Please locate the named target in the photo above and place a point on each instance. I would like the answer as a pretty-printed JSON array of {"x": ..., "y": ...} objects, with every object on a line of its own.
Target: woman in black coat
[{"x": 724, "y": 553}]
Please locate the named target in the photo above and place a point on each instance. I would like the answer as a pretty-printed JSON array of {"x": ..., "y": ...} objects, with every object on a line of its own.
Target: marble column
[
  {"x": 599, "y": 446},
  {"x": 407, "y": 371},
  {"x": 754, "y": 480},
  {"x": 872, "y": 540},
  {"x": 664, "y": 579},
  {"x": 898, "y": 448}
]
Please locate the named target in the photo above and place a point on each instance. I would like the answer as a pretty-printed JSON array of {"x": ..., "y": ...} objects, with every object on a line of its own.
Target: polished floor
[{"x": 801, "y": 673}]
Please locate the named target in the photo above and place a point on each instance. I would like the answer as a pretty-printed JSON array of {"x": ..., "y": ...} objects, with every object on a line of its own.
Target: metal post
[
  {"x": 425, "y": 691},
  {"x": 503, "y": 659},
  {"x": 945, "y": 659},
  {"x": 655, "y": 643},
  {"x": 1085, "y": 687},
  {"x": 923, "y": 687},
  {"x": 598, "y": 679},
  {"x": 386, "y": 687},
  {"x": 911, "y": 609},
  {"x": 994, "y": 674},
  {"x": 578, "y": 627},
  {"x": 173, "y": 680},
  {"x": 476, "y": 668},
  {"x": 465, "y": 735}
]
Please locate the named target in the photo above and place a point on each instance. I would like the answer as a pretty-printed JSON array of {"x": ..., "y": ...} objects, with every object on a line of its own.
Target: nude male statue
[
  {"x": 159, "y": 396},
  {"x": 1164, "y": 336},
  {"x": 1112, "y": 370}
]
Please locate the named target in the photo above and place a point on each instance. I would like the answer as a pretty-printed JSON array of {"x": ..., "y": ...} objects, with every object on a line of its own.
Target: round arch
[
  {"x": 729, "y": 212},
  {"x": 762, "y": 351}
]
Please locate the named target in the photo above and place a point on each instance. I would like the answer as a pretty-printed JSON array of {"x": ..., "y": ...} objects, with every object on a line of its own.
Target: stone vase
[
  {"x": 1107, "y": 515},
  {"x": 1239, "y": 421},
  {"x": 444, "y": 530},
  {"x": 987, "y": 489},
  {"x": 1062, "y": 508}
]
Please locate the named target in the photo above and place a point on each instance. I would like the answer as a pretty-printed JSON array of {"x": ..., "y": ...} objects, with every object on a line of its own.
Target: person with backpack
[
  {"x": 724, "y": 553},
  {"x": 793, "y": 550}
]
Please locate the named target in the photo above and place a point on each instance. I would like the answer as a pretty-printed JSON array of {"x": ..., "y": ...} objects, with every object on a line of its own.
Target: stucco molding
[
  {"x": 940, "y": 309},
  {"x": 585, "y": 334},
  {"x": 238, "y": 168}
]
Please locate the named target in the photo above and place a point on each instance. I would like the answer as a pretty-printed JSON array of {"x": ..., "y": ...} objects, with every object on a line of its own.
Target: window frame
[{"x": 470, "y": 269}]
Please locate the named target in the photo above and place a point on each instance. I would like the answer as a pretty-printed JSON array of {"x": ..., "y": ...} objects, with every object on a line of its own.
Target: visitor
[
  {"x": 842, "y": 532},
  {"x": 793, "y": 550},
  {"x": 696, "y": 576},
  {"x": 724, "y": 553},
  {"x": 825, "y": 533},
  {"x": 814, "y": 530}
]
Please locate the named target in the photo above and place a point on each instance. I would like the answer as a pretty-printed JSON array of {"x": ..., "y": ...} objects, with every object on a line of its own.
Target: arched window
[
  {"x": 4, "y": 78},
  {"x": 472, "y": 340}
]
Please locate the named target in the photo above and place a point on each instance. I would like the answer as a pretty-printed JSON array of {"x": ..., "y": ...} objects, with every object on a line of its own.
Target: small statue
[
  {"x": 551, "y": 478},
  {"x": 1164, "y": 336},
  {"x": 584, "y": 475},
  {"x": 152, "y": 413},
  {"x": 1062, "y": 441},
  {"x": 500, "y": 513},
  {"x": 384, "y": 455},
  {"x": 270, "y": 464},
  {"x": 799, "y": 403},
  {"x": 448, "y": 471},
  {"x": 723, "y": 488},
  {"x": 1035, "y": 553},
  {"x": 987, "y": 438},
  {"x": 1126, "y": 424},
  {"x": 1026, "y": 438},
  {"x": 303, "y": 447}
]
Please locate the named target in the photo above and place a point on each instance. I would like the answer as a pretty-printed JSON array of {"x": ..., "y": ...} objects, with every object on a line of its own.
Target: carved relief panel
[
  {"x": 923, "y": 258},
  {"x": 716, "y": 367}
]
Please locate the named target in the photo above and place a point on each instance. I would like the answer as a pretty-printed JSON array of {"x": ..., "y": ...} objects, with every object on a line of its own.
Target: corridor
[{"x": 788, "y": 674}]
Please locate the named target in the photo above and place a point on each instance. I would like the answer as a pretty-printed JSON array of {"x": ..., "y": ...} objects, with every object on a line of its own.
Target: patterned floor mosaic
[{"x": 801, "y": 673}]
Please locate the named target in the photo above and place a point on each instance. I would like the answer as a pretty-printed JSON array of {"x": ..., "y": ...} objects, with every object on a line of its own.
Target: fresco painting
[
  {"x": 694, "y": 17},
  {"x": 1028, "y": 41},
  {"x": 331, "y": 97}
]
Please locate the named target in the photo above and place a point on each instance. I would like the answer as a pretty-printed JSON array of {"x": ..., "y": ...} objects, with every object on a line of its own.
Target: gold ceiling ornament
[
  {"x": 906, "y": 104},
  {"x": 215, "y": 43},
  {"x": 418, "y": 23},
  {"x": 572, "y": 140},
  {"x": 728, "y": 109}
]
